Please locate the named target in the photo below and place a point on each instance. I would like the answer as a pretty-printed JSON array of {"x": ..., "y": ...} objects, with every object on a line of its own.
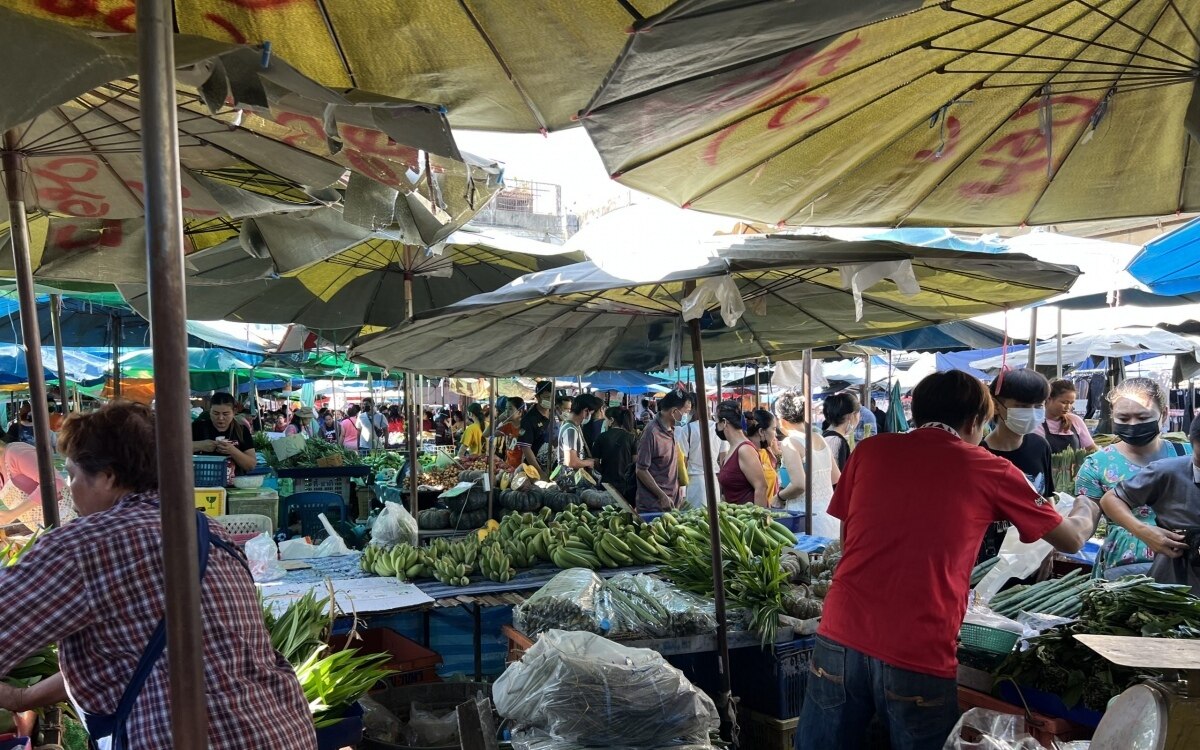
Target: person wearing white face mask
[{"x": 1019, "y": 398}]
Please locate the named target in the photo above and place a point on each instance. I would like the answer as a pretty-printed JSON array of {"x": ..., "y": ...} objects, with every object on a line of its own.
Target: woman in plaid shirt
[{"x": 95, "y": 587}]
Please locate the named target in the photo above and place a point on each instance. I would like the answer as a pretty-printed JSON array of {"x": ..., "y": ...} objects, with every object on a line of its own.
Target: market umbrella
[
  {"x": 908, "y": 112},
  {"x": 895, "y": 419},
  {"x": 798, "y": 293},
  {"x": 209, "y": 369},
  {"x": 376, "y": 282},
  {"x": 80, "y": 366},
  {"x": 1170, "y": 265},
  {"x": 1118, "y": 343},
  {"x": 509, "y": 65}
]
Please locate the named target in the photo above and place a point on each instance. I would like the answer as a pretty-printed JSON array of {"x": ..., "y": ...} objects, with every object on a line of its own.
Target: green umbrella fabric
[
  {"x": 139, "y": 364},
  {"x": 894, "y": 417},
  {"x": 509, "y": 65},
  {"x": 798, "y": 292},
  {"x": 903, "y": 112}
]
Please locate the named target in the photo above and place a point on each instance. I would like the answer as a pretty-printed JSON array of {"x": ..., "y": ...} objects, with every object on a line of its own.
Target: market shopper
[
  {"x": 301, "y": 424},
  {"x": 1018, "y": 397},
  {"x": 349, "y": 425},
  {"x": 573, "y": 451},
  {"x": 842, "y": 415},
  {"x": 1062, "y": 427},
  {"x": 1139, "y": 414},
  {"x": 217, "y": 433},
  {"x": 535, "y": 424},
  {"x": 508, "y": 434},
  {"x": 825, "y": 474},
  {"x": 616, "y": 450},
  {"x": 330, "y": 429},
  {"x": 760, "y": 431},
  {"x": 372, "y": 427},
  {"x": 1171, "y": 488},
  {"x": 880, "y": 417},
  {"x": 741, "y": 475},
  {"x": 914, "y": 508},
  {"x": 21, "y": 497},
  {"x": 691, "y": 443},
  {"x": 472, "y": 439},
  {"x": 657, "y": 466},
  {"x": 104, "y": 614}
]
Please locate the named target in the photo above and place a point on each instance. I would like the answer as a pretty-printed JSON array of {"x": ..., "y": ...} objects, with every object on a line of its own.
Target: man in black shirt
[
  {"x": 219, "y": 434},
  {"x": 534, "y": 426}
]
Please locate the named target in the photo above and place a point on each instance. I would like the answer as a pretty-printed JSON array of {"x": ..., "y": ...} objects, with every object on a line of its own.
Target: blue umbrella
[
  {"x": 941, "y": 238},
  {"x": 1170, "y": 265},
  {"x": 954, "y": 336},
  {"x": 625, "y": 381}
]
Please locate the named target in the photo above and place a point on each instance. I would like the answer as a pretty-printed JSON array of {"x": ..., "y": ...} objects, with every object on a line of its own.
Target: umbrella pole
[
  {"x": 724, "y": 708},
  {"x": 408, "y": 295},
  {"x": 116, "y": 353},
  {"x": 1032, "y": 361},
  {"x": 164, "y": 243},
  {"x": 1058, "y": 358},
  {"x": 59, "y": 361},
  {"x": 866, "y": 388},
  {"x": 14, "y": 167},
  {"x": 806, "y": 386},
  {"x": 414, "y": 470},
  {"x": 491, "y": 454},
  {"x": 757, "y": 401}
]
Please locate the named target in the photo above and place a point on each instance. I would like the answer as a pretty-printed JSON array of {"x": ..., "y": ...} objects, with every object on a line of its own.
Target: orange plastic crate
[
  {"x": 413, "y": 662},
  {"x": 1044, "y": 729}
]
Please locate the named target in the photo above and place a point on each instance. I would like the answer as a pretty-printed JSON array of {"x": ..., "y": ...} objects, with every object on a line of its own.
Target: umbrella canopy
[
  {"x": 256, "y": 137},
  {"x": 369, "y": 283},
  {"x": 509, "y": 65},
  {"x": 80, "y": 366},
  {"x": 625, "y": 381},
  {"x": 947, "y": 337},
  {"x": 1123, "y": 342},
  {"x": 1170, "y": 264},
  {"x": 894, "y": 417},
  {"x": 798, "y": 293},
  {"x": 908, "y": 112},
  {"x": 139, "y": 364}
]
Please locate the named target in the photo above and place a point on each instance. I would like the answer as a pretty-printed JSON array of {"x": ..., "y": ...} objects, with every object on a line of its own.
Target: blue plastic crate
[
  {"x": 772, "y": 681},
  {"x": 1049, "y": 704},
  {"x": 210, "y": 471},
  {"x": 346, "y": 733},
  {"x": 305, "y": 507},
  {"x": 792, "y": 519}
]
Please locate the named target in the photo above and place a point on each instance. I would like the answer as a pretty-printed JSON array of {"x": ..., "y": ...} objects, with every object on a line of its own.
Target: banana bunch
[
  {"x": 34, "y": 669},
  {"x": 495, "y": 564},
  {"x": 402, "y": 561},
  {"x": 574, "y": 553},
  {"x": 528, "y": 546},
  {"x": 451, "y": 573}
]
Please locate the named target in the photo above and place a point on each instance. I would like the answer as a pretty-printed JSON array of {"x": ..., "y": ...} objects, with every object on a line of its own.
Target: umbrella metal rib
[{"x": 487, "y": 40}]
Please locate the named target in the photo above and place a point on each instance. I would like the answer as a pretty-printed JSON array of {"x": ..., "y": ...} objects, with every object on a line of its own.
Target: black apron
[
  {"x": 112, "y": 726},
  {"x": 1060, "y": 443}
]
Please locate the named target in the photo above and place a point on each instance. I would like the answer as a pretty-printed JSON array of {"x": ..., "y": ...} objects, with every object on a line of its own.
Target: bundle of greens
[
  {"x": 1134, "y": 606},
  {"x": 314, "y": 451},
  {"x": 302, "y": 629}
]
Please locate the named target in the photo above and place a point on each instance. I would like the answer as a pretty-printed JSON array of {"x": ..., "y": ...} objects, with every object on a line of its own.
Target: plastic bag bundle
[
  {"x": 583, "y": 688},
  {"x": 981, "y": 729},
  {"x": 570, "y": 601},
  {"x": 659, "y": 609},
  {"x": 393, "y": 526},
  {"x": 262, "y": 556},
  {"x": 536, "y": 739}
]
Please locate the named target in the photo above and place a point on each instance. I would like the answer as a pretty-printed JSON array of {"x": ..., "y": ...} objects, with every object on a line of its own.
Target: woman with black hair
[
  {"x": 842, "y": 415},
  {"x": 616, "y": 448},
  {"x": 1019, "y": 398},
  {"x": 219, "y": 434},
  {"x": 741, "y": 476},
  {"x": 760, "y": 431}
]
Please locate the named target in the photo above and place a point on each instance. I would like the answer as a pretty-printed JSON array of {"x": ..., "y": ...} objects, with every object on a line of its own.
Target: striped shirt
[{"x": 95, "y": 586}]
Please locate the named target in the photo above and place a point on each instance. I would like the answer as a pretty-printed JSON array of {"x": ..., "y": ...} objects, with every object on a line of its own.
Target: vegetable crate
[
  {"x": 337, "y": 479},
  {"x": 772, "y": 681},
  {"x": 1044, "y": 729},
  {"x": 759, "y": 732},
  {"x": 255, "y": 502},
  {"x": 210, "y": 471},
  {"x": 413, "y": 662}
]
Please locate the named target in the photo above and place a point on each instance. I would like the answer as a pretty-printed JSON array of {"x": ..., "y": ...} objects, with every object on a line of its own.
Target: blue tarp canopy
[
  {"x": 624, "y": 381},
  {"x": 954, "y": 336},
  {"x": 962, "y": 360},
  {"x": 80, "y": 366},
  {"x": 1170, "y": 265},
  {"x": 940, "y": 238},
  {"x": 90, "y": 324}
]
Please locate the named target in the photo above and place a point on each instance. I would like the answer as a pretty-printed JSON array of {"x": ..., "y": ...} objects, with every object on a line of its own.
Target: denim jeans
[{"x": 847, "y": 689}]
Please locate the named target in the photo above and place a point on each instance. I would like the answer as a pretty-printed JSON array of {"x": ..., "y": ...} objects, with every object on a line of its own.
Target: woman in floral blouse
[{"x": 1139, "y": 409}]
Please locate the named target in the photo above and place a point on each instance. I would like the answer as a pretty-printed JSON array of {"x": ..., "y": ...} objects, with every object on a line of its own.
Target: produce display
[
  {"x": 1062, "y": 597},
  {"x": 316, "y": 454},
  {"x": 43, "y": 663},
  {"x": 1134, "y": 606},
  {"x": 332, "y": 682},
  {"x": 384, "y": 460}
]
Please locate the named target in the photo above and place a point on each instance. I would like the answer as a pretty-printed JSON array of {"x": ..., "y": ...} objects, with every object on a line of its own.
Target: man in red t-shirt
[{"x": 914, "y": 508}]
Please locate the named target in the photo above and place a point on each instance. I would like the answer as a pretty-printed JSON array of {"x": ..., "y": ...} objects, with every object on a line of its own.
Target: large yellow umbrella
[
  {"x": 511, "y": 65},
  {"x": 909, "y": 112}
]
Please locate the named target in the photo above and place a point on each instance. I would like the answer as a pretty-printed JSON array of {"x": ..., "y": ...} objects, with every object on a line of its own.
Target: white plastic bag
[
  {"x": 333, "y": 545},
  {"x": 263, "y": 558},
  {"x": 980, "y": 729},
  {"x": 1017, "y": 559},
  {"x": 393, "y": 526}
]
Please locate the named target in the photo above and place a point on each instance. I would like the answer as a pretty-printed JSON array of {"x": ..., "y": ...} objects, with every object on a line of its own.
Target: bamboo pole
[
  {"x": 414, "y": 468},
  {"x": 59, "y": 361},
  {"x": 491, "y": 452},
  {"x": 164, "y": 244},
  {"x": 15, "y": 169}
]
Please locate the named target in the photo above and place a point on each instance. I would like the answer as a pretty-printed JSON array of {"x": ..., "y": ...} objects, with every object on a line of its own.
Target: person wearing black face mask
[
  {"x": 1139, "y": 409},
  {"x": 573, "y": 447}
]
